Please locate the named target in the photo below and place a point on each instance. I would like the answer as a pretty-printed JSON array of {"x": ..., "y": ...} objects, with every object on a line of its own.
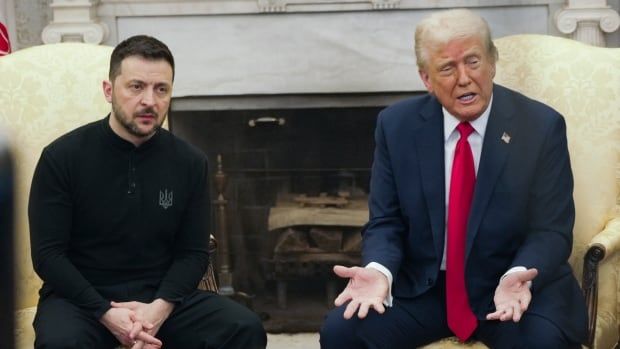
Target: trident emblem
[{"x": 165, "y": 199}]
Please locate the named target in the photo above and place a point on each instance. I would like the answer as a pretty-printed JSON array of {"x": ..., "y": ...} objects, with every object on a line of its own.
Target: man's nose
[
  {"x": 463, "y": 75},
  {"x": 148, "y": 97}
]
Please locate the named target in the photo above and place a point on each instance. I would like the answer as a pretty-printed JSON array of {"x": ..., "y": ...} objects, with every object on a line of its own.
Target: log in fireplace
[{"x": 313, "y": 235}]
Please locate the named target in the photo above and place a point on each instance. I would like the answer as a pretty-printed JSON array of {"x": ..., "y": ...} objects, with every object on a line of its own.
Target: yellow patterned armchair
[
  {"x": 46, "y": 91},
  {"x": 583, "y": 83}
]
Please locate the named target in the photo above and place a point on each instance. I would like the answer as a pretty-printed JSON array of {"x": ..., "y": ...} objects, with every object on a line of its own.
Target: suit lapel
[
  {"x": 495, "y": 150},
  {"x": 429, "y": 143}
]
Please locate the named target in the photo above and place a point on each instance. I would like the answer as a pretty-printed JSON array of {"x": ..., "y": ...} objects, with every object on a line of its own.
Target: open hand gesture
[
  {"x": 513, "y": 296},
  {"x": 367, "y": 288}
]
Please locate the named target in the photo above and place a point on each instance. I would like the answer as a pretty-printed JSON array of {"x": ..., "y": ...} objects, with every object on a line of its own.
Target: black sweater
[{"x": 105, "y": 213}]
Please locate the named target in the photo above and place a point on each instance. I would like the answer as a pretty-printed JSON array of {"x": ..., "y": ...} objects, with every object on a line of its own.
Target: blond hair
[{"x": 442, "y": 27}]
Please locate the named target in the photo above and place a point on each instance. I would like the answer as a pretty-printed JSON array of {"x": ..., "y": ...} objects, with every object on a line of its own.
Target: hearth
[{"x": 296, "y": 199}]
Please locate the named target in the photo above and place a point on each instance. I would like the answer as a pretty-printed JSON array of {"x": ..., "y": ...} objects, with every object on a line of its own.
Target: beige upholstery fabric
[
  {"x": 583, "y": 83},
  {"x": 45, "y": 92},
  {"x": 24, "y": 333}
]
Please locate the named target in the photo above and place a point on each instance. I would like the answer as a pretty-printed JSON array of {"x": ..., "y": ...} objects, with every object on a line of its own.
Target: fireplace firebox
[{"x": 297, "y": 186}]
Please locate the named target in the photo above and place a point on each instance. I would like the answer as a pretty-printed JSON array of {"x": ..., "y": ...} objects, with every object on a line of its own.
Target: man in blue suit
[{"x": 471, "y": 212}]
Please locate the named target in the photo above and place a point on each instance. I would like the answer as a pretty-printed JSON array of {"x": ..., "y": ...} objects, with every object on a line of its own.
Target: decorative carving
[
  {"x": 74, "y": 20},
  {"x": 281, "y": 5},
  {"x": 588, "y": 24},
  {"x": 610, "y": 21},
  {"x": 91, "y": 33},
  {"x": 385, "y": 4},
  {"x": 272, "y": 5},
  {"x": 593, "y": 256},
  {"x": 225, "y": 271}
]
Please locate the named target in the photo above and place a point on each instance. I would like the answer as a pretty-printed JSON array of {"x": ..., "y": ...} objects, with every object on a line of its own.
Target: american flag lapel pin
[{"x": 506, "y": 138}]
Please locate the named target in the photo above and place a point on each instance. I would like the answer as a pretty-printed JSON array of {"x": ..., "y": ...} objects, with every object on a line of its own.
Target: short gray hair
[{"x": 442, "y": 27}]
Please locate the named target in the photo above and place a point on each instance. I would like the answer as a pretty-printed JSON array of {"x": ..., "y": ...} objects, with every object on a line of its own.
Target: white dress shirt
[{"x": 451, "y": 137}]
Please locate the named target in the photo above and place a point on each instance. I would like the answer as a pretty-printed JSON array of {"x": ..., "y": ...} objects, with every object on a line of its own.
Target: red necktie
[{"x": 461, "y": 319}]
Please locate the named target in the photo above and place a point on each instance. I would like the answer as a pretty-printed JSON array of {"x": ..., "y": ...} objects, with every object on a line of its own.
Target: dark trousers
[
  {"x": 204, "y": 320},
  {"x": 412, "y": 323}
]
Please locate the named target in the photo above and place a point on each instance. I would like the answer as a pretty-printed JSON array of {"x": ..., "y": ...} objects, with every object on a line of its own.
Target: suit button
[{"x": 429, "y": 282}]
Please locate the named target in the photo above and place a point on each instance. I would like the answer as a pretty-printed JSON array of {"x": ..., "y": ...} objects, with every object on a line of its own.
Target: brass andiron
[{"x": 224, "y": 271}]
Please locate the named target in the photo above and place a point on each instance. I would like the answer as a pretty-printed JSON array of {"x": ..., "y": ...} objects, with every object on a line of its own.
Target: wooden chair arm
[
  {"x": 602, "y": 245},
  {"x": 208, "y": 281},
  {"x": 589, "y": 284}
]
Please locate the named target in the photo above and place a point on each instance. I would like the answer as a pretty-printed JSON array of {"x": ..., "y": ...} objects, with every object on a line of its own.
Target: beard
[{"x": 129, "y": 122}]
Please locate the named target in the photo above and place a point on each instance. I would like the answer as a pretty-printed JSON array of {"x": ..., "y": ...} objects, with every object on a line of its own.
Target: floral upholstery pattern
[
  {"x": 45, "y": 92},
  {"x": 583, "y": 83}
]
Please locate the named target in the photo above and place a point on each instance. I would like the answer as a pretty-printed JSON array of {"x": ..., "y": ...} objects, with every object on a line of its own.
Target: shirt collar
[
  {"x": 450, "y": 122},
  {"x": 125, "y": 144}
]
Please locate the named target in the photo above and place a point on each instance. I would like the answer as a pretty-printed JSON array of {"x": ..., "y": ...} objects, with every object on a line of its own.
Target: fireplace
[{"x": 297, "y": 189}]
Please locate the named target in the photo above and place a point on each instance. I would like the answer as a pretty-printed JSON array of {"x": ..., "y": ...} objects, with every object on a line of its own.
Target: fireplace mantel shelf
[
  {"x": 279, "y": 47},
  {"x": 215, "y": 7}
]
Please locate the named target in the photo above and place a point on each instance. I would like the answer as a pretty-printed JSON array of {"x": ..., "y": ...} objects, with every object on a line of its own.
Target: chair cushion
[
  {"x": 452, "y": 342},
  {"x": 24, "y": 333}
]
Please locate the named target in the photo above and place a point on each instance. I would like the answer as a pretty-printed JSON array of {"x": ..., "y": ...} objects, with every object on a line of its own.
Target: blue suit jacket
[{"x": 522, "y": 212}]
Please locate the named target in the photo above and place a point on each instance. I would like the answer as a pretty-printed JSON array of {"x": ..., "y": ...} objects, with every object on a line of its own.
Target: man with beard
[{"x": 118, "y": 215}]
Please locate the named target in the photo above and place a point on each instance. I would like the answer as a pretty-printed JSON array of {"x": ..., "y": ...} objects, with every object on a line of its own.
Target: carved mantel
[
  {"x": 587, "y": 21},
  {"x": 284, "y": 5},
  {"x": 248, "y": 49},
  {"x": 75, "y": 20},
  {"x": 89, "y": 20}
]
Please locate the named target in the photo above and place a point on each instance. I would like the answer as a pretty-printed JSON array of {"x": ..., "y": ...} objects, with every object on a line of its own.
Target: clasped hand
[
  {"x": 367, "y": 288},
  {"x": 513, "y": 296},
  {"x": 135, "y": 324}
]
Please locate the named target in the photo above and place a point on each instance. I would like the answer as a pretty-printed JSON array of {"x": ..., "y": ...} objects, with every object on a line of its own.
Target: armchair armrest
[
  {"x": 604, "y": 244},
  {"x": 208, "y": 281},
  {"x": 608, "y": 240}
]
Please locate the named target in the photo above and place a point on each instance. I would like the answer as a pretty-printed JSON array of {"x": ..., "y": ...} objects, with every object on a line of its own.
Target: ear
[
  {"x": 493, "y": 71},
  {"x": 426, "y": 80},
  {"x": 107, "y": 90}
]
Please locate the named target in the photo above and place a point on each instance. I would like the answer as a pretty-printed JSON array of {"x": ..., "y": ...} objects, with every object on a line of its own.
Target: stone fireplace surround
[{"x": 285, "y": 47}]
